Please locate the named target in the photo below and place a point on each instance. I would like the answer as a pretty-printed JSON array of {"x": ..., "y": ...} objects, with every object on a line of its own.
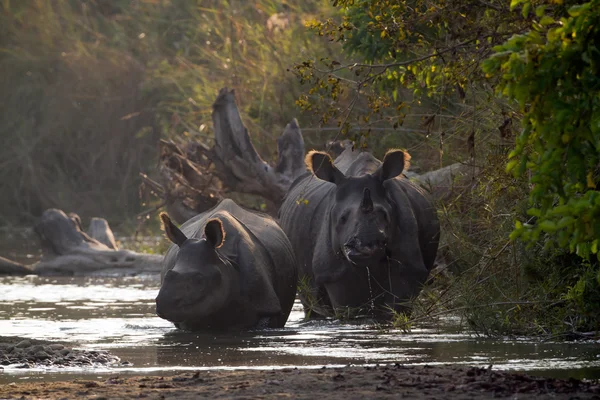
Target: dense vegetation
[
  {"x": 445, "y": 61},
  {"x": 88, "y": 87}
]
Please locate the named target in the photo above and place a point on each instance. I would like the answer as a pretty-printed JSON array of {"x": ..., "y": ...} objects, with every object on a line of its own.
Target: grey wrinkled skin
[
  {"x": 365, "y": 238},
  {"x": 249, "y": 281}
]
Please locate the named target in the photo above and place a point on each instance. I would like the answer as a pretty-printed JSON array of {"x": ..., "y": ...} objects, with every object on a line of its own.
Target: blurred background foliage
[{"x": 89, "y": 86}]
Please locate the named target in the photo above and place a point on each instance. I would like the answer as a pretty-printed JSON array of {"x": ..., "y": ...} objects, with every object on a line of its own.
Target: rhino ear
[
  {"x": 321, "y": 165},
  {"x": 214, "y": 233},
  {"x": 394, "y": 162},
  {"x": 173, "y": 233}
]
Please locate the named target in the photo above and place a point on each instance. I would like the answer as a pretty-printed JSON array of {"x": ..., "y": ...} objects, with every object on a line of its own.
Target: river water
[{"x": 117, "y": 314}]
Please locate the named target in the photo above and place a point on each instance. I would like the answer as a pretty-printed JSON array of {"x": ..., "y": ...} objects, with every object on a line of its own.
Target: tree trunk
[{"x": 67, "y": 250}]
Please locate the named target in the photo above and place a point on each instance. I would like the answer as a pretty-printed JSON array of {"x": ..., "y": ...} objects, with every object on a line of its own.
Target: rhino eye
[
  {"x": 344, "y": 217},
  {"x": 383, "y": 215}
]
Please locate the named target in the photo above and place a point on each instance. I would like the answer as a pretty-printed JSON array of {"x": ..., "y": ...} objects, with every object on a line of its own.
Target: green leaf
[
  {"x": 511, "y": 165},
  {"x": 548, "y": 226},
  {"x": 526, "y": 8},
  {"x": 514, "y": 3},
  {"x": 577, "y": 10},
  {"x": 539, "y": 11},
  {"x": 546, "y": 20},
  {"x": 565, "y": 221},
  {"x": 518, "y": 225}
]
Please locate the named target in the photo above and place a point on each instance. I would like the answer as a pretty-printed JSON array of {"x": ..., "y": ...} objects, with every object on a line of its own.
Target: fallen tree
[
  {"x": 67, "y": 250},
  {"x": 194, "y": 177}
]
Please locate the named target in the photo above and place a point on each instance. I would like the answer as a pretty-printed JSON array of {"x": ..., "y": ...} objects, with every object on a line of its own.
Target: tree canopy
[{"x": 553, "y": 72}]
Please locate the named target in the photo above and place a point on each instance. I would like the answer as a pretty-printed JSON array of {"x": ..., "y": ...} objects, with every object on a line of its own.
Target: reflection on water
[{"x": 117, "y": 314}]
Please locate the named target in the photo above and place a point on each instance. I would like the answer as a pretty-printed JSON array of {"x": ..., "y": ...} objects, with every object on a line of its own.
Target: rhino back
[
  {"x": 304, "y": 214},
  {"x": 278, "y": 267},
  {"x": 411, "y": 199}
]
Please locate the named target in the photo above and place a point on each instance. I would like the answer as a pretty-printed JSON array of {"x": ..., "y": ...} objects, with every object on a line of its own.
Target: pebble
[
  {"x": 42, "y": 355},
  {"x": 23, "y": 344},
  {"x": 25, "y": 355},
  {"x": 36, "y": 349}
]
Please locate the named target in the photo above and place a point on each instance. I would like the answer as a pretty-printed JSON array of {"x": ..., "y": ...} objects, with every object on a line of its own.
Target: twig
[
  {"x": 152, "y": 183},
  {"x": 143, "y": 214},
  {"x": 401, "y": 63}
]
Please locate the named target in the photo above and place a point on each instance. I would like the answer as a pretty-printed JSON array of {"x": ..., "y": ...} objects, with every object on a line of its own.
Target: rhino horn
[{"x": 366, "y": 205}]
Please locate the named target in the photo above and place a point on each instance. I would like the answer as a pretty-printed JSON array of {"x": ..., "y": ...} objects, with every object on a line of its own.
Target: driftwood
[
  {"x": 100, "y": 231},
  {"x": 238, "y": 164},
  {"x": 67, "y": 250},
  {"x": 194, "y": 177}
]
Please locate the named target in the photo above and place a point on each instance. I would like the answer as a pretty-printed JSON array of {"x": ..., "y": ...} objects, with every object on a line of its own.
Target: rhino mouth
[
  {"x": 360, "y": 254},
  {"x": 177, "y": 308}
]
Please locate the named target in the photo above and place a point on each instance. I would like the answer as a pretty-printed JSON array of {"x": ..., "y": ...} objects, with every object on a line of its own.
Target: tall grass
[{"x": 87, "y": 88}]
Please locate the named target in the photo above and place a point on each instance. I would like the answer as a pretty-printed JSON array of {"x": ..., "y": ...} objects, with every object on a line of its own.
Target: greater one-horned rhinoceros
[
  {"x": 229, "y": 268},
  {"x": 365, "y": 237}
]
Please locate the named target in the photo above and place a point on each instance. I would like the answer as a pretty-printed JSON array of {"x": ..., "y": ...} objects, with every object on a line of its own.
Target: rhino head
[
  {"x": 201, "y": 279},
  {"x": 363, "y": 219}
]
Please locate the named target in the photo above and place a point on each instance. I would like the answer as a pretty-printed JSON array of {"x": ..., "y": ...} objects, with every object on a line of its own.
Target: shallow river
[{"x": 117, "y": 314}]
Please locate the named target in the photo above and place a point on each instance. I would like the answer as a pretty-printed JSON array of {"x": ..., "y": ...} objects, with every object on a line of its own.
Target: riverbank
[
  {"x": 416, "y": 382},
  {"x": 25, "y": 353}
]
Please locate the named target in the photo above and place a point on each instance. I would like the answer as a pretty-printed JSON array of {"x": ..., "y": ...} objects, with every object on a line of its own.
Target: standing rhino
[
  {"x": 365, "y": 237},
  {"x": 229, "y": 268}
]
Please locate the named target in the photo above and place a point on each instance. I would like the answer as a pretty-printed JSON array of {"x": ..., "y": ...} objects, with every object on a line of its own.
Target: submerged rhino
[
  {"x": 229, "y": 268},
  {"x": 365, "y": 237}
]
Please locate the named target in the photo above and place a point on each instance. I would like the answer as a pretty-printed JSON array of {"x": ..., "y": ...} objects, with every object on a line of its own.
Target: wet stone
[
  {"x": 41, "y": 355},
  {"x": 28, "y": 353},
  {"x": 23, "y": 344},
  {"x": 36, "y": 349}
]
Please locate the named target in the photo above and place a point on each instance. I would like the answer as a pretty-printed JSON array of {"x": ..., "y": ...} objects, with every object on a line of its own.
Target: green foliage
[
  {"x": 430, "y": 71},
  {"x": 418, "y": 71},
  {"x": 553, "y": 72}
]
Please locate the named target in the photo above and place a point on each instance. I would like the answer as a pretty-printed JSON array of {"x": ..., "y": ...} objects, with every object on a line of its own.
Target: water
[{"x": 117, "y": 314}]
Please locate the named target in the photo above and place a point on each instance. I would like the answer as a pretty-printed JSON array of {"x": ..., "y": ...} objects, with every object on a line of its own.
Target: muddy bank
[
  {"x": 24, "y": 353},
  {"x": 419, "y": 382}
]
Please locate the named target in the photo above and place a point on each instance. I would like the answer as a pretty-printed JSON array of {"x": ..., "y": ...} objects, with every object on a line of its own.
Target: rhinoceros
[
  {"x": 228, "y": 269},
  {"x": 365, "y": 237}
]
